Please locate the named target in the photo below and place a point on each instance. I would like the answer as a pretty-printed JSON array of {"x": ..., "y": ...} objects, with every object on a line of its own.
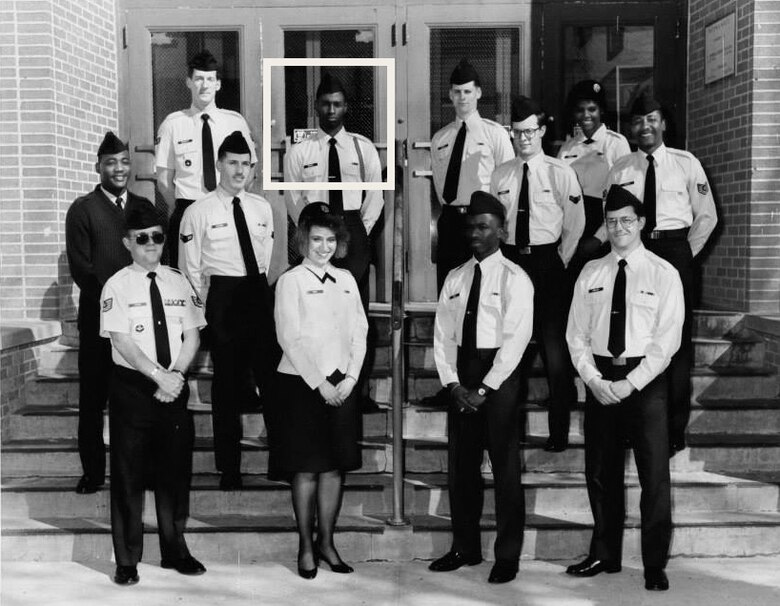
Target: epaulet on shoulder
[
  {"x": 362, "y": 138},
  {"x": 173, "y": 116},
  {"x": 660, "y": 261},
  {"x": 614, "y": 135},
  {"x": 175, "y": 270},
  {"x": 672, "y": 151},
  {"x": 555, "y": 162},
  {"x": 230, "y": 112},
  {"x": 493, "y": 123},
  {"x": 255, "y": 196},
  {"x": 513, "y": 267}
]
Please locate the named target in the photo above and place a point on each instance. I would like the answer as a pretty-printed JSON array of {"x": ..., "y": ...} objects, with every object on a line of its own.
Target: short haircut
[{"x": 331, "y": 221}]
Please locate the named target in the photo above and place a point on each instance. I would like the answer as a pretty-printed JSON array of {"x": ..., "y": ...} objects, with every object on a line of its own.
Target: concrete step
[
  {"x": 545, "y": 494},
  {"x": 717, "y": 453},
  {"x": 58, "y": 360},
  {"x": 232, "y": 538}
]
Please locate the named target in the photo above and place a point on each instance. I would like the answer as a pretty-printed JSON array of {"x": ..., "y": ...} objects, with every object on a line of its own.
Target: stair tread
[
  {"x": 746, "y": 404},
  {"x": 372, "y": 523},
  {"x": 418, "y": 481}
]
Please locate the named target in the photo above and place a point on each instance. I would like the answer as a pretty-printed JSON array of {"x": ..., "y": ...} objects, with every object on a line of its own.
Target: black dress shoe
[
  {"x": 126, "y": 575},
  {"x": 656, "y": 579},
  {"x": 87, "y": 485},
  {"x": 341, "y": 567},
  {"x": 590, "y": 567},
  {"x": 452, "y": 560},
  {"x": 503, "y": 571},
  {"x": 555, "y": 445},
  {"x": 307, "y": 573},
  {"x": 189, "y": 566},
  {"x": 231, "y": 481}
]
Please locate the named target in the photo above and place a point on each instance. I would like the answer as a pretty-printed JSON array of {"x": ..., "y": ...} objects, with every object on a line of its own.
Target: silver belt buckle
[
  {"x": 656, "y": 235},
  {"x": 526, "y": 250},
  {"x": 619, "y": 362},
  {"x": 461, "y": 209}
]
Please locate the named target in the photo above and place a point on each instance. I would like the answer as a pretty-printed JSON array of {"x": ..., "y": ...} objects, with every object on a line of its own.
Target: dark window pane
[{"x": 171, "y": 51}]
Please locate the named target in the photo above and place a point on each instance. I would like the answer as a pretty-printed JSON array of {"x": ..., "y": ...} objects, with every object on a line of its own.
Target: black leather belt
[
  {"x": 667, "y": 234},
  {"x": 621, "y": 361},
  {"x": 461, "y": 210},
  {"x": 527, "y": 250}
]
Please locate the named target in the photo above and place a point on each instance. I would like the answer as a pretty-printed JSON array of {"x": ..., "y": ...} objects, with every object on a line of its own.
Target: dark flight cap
[
  {"x": 111, "y": 144},
  {"x": 330, "y": 85},
  {"x": 204, "y": 61},
  {"x": 523, "y": 107},
  {"x": 590, "y": 90},
  {"x": 314, "y": 210},
  {"x": 644, "y": 104},
  {"x": 142, "y": 215},
  {"x": 234, "y": 143},
  {"x": 464, "y": 73},
  {"x": 619, "y": 197},
  {"x": 483, "y": 202}
]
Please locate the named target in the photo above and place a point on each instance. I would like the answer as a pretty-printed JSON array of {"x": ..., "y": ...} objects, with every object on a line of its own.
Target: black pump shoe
[{"x": 341, "y": 567}]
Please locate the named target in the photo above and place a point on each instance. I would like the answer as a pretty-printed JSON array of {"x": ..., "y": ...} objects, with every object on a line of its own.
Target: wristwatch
[{"x": 483, "y": 391}]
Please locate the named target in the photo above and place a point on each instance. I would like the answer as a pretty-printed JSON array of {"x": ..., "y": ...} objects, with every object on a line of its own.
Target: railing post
[{"x": 397, "y": 322}]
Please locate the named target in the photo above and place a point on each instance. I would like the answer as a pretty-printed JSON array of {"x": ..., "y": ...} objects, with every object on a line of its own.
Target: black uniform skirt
[{"x": 307, "y": 435}]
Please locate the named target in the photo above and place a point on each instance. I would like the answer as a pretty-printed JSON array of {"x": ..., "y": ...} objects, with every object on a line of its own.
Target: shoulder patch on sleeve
[
  {"x": 702, "y": 188},
  {"x": 574, "y": 199},
  {"x": 196, "y": 301},
  {"x": 108, "y": 304},
  {"x": 185, "y": 237}
]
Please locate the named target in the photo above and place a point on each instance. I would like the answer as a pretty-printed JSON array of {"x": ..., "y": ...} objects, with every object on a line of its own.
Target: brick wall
[
  {"x": 59, "y": 95},
  {"x": 733, "y": 129}
]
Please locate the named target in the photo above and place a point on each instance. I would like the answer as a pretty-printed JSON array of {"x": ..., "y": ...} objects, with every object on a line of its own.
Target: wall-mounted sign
[{"x": 720, "y": 49}]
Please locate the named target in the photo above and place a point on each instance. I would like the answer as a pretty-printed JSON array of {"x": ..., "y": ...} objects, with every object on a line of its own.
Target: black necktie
[
  {"x": 334, "y": 176},
  {"x": 209, "y": 174},
  {"x": 119, "y": 202},
  {"x": 469, "y": 340},
  {"x": 453, "y": 168},
  {"x": 649, "y": 197},
  {"x": 326, "y": 276},
  {"x": 522, "y": 237},
  {"x": 250, "y": 262},
  {"x": 161, "y": 345},
  {"x": 617, "y": 317}
]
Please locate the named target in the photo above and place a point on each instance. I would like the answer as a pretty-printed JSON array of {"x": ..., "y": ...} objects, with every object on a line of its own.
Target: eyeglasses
[
  {"x": 528, "y": 133},
  {"x": 626, "y": 222},
  {"x": 157, "y": 237}
]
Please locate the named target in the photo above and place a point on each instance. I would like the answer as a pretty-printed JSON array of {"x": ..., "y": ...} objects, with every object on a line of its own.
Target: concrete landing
[{"x": 694, "y": 582}]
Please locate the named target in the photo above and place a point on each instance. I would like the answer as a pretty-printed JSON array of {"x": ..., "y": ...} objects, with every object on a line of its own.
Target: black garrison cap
[
  {"x": 482, "y": 202},
  {"x": 204, "y": 61},
  {"x": 644, "y": 104},
  {"x": 111, "y": 144},
  {"x": 314, "y": 210},
  {"x": 523, "y": 107},
  {"x": 329, "y": 85},
  {"x": 142, "y": 215},
  {"x": 591, "y": 90},
  {"x": 464, "y": 73},
  {"x": 619, "y": 197},
  {"x": 234, "y": 143}
]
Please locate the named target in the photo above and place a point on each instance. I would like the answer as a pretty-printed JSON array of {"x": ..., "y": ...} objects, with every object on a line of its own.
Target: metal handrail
[{"x": 397, "y": 323}]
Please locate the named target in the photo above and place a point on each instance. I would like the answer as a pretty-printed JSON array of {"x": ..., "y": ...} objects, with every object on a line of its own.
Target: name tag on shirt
[
  {"x": 315, "y": 292},
  {"x": 597, "y": 289},
  {"x": 142, "y": 304},
  {"x": 218, "y": 225}
]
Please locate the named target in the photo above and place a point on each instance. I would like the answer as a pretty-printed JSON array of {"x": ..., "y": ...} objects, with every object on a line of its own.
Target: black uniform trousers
[
  {"x": 172, "y": 241},
  {"x": 551, "y": 307},
  {"x": 495, "y": 426},
  {"x": 641, "y": 420},
  {"x": 358, "y": 257},
  {"x": 677, "y": 251},
  {"x": 452, "y": 248},
  {"x": 95, "y": 365},
  {"x": 244, "y": 353},
  {"x": 147, "y": 434}
]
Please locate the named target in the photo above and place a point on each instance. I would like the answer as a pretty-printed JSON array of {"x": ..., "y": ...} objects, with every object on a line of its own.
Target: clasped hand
[
  {"x": 169, "y": 385},
  {"x": 336, "y": 395},
  {"x": 610, "y": 392},
  {"x": 466, "y": 400}
]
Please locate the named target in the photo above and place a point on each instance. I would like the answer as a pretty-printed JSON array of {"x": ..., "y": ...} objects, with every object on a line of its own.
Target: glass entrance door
[{"x": 491, "y": 37}]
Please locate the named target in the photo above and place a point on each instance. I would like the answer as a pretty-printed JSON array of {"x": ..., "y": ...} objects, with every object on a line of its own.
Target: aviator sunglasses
[{"x": 157, "y": 237}]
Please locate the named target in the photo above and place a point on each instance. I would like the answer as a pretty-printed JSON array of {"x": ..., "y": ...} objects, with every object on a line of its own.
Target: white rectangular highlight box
[{"x": 388, "y": 64}]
